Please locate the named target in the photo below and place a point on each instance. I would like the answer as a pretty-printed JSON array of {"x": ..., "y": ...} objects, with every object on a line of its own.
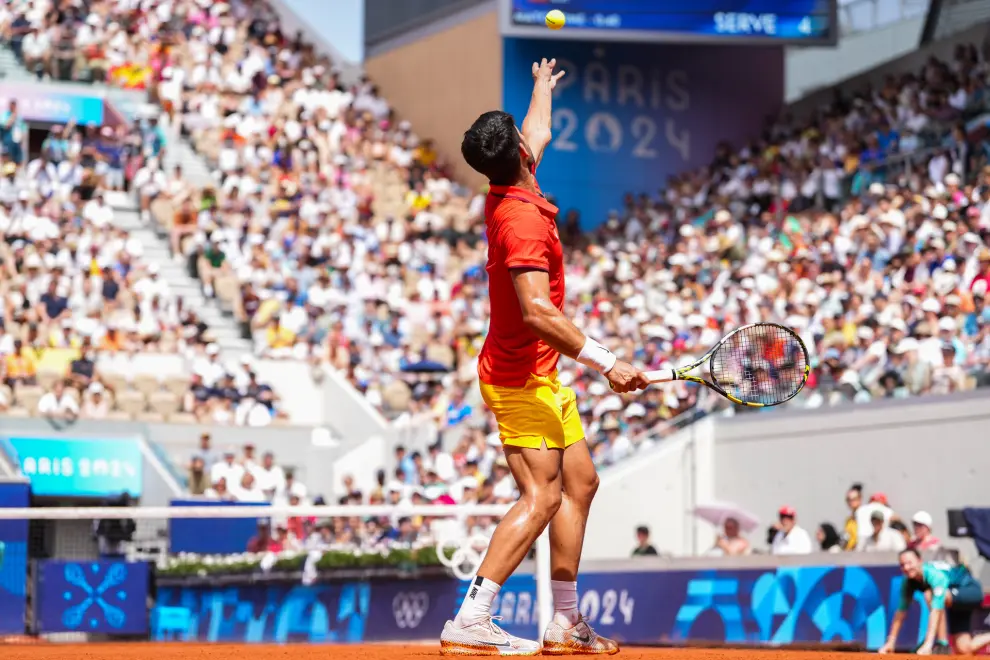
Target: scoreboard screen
[{"x": 809, "y": 22}]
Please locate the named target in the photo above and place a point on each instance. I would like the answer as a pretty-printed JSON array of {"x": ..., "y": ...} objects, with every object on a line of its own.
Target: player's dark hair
[
  {"x": 491, "y": 147},
  {"x": 910, "y": 551}
]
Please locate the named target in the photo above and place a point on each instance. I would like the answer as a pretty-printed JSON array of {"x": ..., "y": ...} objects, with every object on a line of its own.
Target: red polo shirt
[{"x": 522, "y": 233}]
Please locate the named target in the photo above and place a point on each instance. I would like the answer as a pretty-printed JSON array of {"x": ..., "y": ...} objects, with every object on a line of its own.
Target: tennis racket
[{"x": 758, "y": 365}]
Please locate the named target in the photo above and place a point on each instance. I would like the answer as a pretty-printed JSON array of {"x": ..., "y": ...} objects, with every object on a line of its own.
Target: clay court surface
[{"x": 184, "y": 651}]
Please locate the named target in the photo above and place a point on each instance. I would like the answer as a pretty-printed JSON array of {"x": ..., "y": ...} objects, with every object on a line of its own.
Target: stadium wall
[
  {"x": 456, "y": 63},
  {"x": 387, "y": 19},
  {"x": 295, "y": 17},
  {"x": 656, "y": 488},
  {"x": 339, "y": 24},
  {"x": 748, "y": 600},
  {"x": 924, "y": 454}
]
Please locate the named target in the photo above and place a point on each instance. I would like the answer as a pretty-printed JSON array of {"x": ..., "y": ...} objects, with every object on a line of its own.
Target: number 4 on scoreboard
[{"x": 804, "y": 27}]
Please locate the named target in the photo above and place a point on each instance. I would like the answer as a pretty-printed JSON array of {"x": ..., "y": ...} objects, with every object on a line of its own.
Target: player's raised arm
[
  {"x": 537, "y": 125},
  {"x": 548, "y": 323}
]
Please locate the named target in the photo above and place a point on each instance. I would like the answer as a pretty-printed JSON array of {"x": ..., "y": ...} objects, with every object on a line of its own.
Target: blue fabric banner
[
  {"x": 210, "y": 536},
  {"x": 13, "y": 559},
  {"x": 108, "y": 597},
  {"x": 758, "y": 606},
  {"x": 395, "y": 610},
  {"x": 783, "y": 606}
]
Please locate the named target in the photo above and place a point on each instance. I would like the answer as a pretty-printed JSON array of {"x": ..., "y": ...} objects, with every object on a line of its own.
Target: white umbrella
[{"x": 717, "y": 513}]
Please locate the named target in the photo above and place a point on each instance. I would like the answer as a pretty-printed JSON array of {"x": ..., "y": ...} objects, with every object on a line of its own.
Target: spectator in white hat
[
  {"x": 96, "y": 404},
  {"x": 924, "y": 540}
]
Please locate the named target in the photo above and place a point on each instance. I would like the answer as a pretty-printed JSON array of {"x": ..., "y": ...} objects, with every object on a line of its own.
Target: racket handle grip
[{"x": 661, "y": 376}]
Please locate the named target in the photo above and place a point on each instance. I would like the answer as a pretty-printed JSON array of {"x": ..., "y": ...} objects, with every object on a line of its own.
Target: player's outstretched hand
[
  {"x": 623, "y": 377},
  {"x": 544, "y": 70}
]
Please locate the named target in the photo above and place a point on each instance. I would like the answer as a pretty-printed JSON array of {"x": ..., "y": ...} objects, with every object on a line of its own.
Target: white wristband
[{"x": 596, "y": 356}]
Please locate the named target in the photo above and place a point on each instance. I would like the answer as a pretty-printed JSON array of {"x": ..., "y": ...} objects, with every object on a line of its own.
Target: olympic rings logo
[{"x": 467, "y": 556}]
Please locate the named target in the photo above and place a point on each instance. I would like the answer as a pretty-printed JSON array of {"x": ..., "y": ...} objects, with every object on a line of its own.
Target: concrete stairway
[
  {"x": 11, "y": 69},
  {"x": 156, "y": 250},
  {"x": 194, "y": 167}
]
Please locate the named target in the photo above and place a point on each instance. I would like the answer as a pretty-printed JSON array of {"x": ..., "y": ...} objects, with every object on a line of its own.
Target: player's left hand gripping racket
[{"x": 758, "y": 365}]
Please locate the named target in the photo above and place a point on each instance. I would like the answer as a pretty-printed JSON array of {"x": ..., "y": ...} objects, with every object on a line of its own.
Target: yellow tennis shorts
[{"x": 540, "y": 411}]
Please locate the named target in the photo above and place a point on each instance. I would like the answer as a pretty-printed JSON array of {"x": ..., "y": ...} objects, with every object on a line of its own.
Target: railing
[{"x": 859, "y": 16}]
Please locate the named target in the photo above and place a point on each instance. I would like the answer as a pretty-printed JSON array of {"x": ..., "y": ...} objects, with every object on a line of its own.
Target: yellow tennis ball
[{"x": 555, "y": 19}]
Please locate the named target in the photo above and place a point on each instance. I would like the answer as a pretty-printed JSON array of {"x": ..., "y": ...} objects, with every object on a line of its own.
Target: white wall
[
  {"x": 809, "y": 69},
  {"x": 340, "y": 23},
  {"x": 361, "y": 462},
  {"x": 926, "y": 454},
  {"x": 656, "y": 488}
]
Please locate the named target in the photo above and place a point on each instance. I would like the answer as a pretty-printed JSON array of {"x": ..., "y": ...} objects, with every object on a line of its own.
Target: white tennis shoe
[
  {"x": 580, "y": 639},
  {"x": 484, "y": 638}
]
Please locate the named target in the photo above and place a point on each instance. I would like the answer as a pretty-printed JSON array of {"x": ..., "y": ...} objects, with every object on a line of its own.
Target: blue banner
[
  {"x": 628, "y": 116},
  {"x": 783, "y": 606},
  {"x": 755, "y": 606},
  {"x": 107, "y": 597},
  {"x": 78, "y": 467},
  {"x": 13, "y": 559},
  {"x": 359, "y": 611},
  {"x": 43, "y": 103},
  {"x": 210, "y": 536}
]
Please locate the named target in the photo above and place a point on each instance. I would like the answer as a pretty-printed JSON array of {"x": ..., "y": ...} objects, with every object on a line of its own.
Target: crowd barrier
[
  {"x": 749, "y": 601},
  {"x": 812, "y": 599}
]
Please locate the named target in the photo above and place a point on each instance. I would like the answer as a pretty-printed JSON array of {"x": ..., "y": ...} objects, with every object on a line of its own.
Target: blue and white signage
[
  {"x": 108, "y": 597},
  {"x": 77, "y": 467},
  {"x": 627, "y": 116}
]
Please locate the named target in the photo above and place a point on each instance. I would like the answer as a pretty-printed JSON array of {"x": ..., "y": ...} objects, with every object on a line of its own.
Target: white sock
[
  {"x": 477, "y": 605},
  {"x": 565, "y": 603}
]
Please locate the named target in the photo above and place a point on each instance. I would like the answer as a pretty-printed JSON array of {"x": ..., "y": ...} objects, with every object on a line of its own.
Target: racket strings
[{"x": 763, "y": 364}]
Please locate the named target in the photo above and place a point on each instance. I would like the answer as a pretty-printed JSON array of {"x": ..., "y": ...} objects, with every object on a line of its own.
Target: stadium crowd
[
  {"x": 78, "y": 293},
  {"x": 475, "y": 472},
  {"x": 872, "y": 526},
  {"x": 865, "y": 227}
]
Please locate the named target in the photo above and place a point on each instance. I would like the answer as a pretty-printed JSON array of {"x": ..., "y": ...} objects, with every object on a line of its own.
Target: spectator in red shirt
[
  {"x": 260, "y": 541},
  {"x": 297, "y": 525},
  {"x": 923, "y": 537}
]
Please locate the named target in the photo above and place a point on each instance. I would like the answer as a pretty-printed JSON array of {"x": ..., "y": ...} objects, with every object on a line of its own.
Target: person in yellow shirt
[
  {"x": 425, "y": 154},
  {"x": 854, "y": 499},
  {"x": 21, "y": 365},
  {"x": 418, "y": 198},
  {"x": 278, "y": 336}
]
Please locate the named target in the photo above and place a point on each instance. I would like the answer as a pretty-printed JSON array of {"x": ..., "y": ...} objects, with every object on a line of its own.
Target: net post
[{"x": 544, "y": 596}]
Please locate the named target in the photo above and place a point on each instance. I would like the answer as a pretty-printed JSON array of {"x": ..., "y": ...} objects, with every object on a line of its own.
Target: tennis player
[
  {"x": 537, "y": 418},
  {"x": 952, "y": 594}
]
